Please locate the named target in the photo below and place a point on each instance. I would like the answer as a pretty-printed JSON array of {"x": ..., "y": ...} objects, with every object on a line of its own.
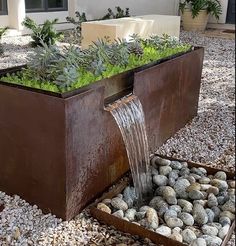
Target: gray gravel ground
[
  {"x": 15, "y": 51},
  {"x": 209, "y": 138}
]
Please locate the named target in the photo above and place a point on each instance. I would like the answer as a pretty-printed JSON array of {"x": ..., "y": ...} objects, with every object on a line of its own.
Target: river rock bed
[{"x": 188, "y": 205}]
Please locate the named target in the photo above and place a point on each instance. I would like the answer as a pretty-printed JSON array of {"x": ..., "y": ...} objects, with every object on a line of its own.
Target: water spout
[{"x": 129, "y": 116}]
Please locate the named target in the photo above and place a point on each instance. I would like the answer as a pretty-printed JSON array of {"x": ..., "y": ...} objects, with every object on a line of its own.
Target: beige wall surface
[
  {"x": 97, "y": 9},
  {"x": 4, "y": 20},
  {"x": 224, "y": 5}
]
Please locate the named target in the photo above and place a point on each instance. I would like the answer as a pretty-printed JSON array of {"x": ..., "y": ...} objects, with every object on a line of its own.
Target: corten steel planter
[
  {"x": 60, "y": 151},
  {"x": 133, "y": 229}
]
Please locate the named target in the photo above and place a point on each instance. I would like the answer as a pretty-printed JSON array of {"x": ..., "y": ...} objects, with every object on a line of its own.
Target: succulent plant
[
  {"x": 120, "y": 13},
  {"x": 135, "y": 48},
  {"x": 77, "y": 21},
  {"x": 67, "y": 76},
  {"x": 42, "y": 34},
  {"x": 64, "y": 68}
]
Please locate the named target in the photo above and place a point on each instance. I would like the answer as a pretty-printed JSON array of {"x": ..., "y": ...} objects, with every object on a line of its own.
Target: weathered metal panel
[
  {"x": 32, "y": 148},
  {"x": 169, "y": 93},
  {"x": 96, "y": 155}
]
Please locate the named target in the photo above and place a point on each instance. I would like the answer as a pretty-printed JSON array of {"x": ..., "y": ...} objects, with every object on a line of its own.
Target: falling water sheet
[{"x": 129, "y": 116}]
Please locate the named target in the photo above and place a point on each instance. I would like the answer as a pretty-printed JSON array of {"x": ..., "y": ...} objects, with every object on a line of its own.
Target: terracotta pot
[{"x": 198, "y": 23}]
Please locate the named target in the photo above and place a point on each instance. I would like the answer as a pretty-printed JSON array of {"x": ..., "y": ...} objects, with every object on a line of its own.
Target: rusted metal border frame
[{"x": 137, "y": 230}]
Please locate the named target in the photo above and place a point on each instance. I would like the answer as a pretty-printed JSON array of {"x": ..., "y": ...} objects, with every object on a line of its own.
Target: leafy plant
[
  {"x": 77, "y": 21},
  {"x": 42, "y": 34},
  {"x": 162, "y": 42},
  {"x": 135, "y": 47},
  {"x": 64, "y": 69},
  {"x": 2, "y": 32},
  {"x": 41, "y": 60},
  {"x": 212, "y": 7},
  {"x": 120, "y": 13}
]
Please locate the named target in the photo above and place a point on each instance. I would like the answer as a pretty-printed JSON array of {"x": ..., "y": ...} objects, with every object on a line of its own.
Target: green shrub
[
  {"x": 120, "y": 13},
  {"x": 2, "y": 32},
  {"x": 60, "y": 70},
  {"x": 77, "y": 21},
  {"x": 213, "y": 7},
  {"x": 42, "y": 34}
]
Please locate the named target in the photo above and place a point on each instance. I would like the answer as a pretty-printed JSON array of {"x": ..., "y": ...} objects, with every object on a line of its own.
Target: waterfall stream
[{"x": 129, "y": 116}]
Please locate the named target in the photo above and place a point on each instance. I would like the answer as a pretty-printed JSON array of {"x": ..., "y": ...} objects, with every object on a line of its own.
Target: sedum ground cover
[{"x": 59, "y": 70}]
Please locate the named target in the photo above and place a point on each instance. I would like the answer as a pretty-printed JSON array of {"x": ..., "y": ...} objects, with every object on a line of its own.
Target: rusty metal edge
[
  {"x": 131, "y": 228},
  {"x": 137, "y": 230},
  {"x": 209, "y": 169},
  {"x": 24, "y": 87},
  {"x": 125, "y": 180},
  {"x": 229, "y": 234}
]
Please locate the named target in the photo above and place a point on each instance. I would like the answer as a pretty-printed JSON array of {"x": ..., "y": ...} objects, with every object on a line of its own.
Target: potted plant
[{"x": 195, "y": 13}]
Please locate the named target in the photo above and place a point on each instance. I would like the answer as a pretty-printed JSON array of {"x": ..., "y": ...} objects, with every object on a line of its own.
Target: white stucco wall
[
  {"x": 97, "y": 9},
  {"x": 39, "y": 18},
  {"x": 16, "y": 13},
  {"x": 222, "y": 19},
  {"x": 4, "y": 20}
]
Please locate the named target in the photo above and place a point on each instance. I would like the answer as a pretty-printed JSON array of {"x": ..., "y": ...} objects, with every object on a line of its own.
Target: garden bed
[
  {"x": 119, "y": 84},
  {"x": 46, "y": 135},
  {"x": 123, "y": 217}
]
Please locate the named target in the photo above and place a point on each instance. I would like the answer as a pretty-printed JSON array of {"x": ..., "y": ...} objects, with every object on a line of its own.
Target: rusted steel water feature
[{"x": 60, "y": 151}]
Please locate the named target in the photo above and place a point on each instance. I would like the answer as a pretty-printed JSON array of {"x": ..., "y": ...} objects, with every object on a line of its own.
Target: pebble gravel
[
  {"x": 16, "y": 50},
  {"x": 209, "y": 138}
]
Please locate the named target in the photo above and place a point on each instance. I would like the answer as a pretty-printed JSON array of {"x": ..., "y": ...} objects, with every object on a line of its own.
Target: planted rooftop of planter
[{"x": 53, "y": 69}]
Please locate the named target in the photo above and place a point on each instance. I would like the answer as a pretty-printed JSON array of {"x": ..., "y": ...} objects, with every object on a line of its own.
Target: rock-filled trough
[{"x": 191, "y": 204}]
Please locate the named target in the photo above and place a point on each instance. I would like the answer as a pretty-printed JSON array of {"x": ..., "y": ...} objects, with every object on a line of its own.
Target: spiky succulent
[
  {"x": 45, "y": 33},
  {"x": 66, "y": 76},
  {"x": 42, "y": 58},
  {"x": 97, "y": 67},
  {"x": 135, "y": 48},
  {"x": 162, "y": 42}
]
